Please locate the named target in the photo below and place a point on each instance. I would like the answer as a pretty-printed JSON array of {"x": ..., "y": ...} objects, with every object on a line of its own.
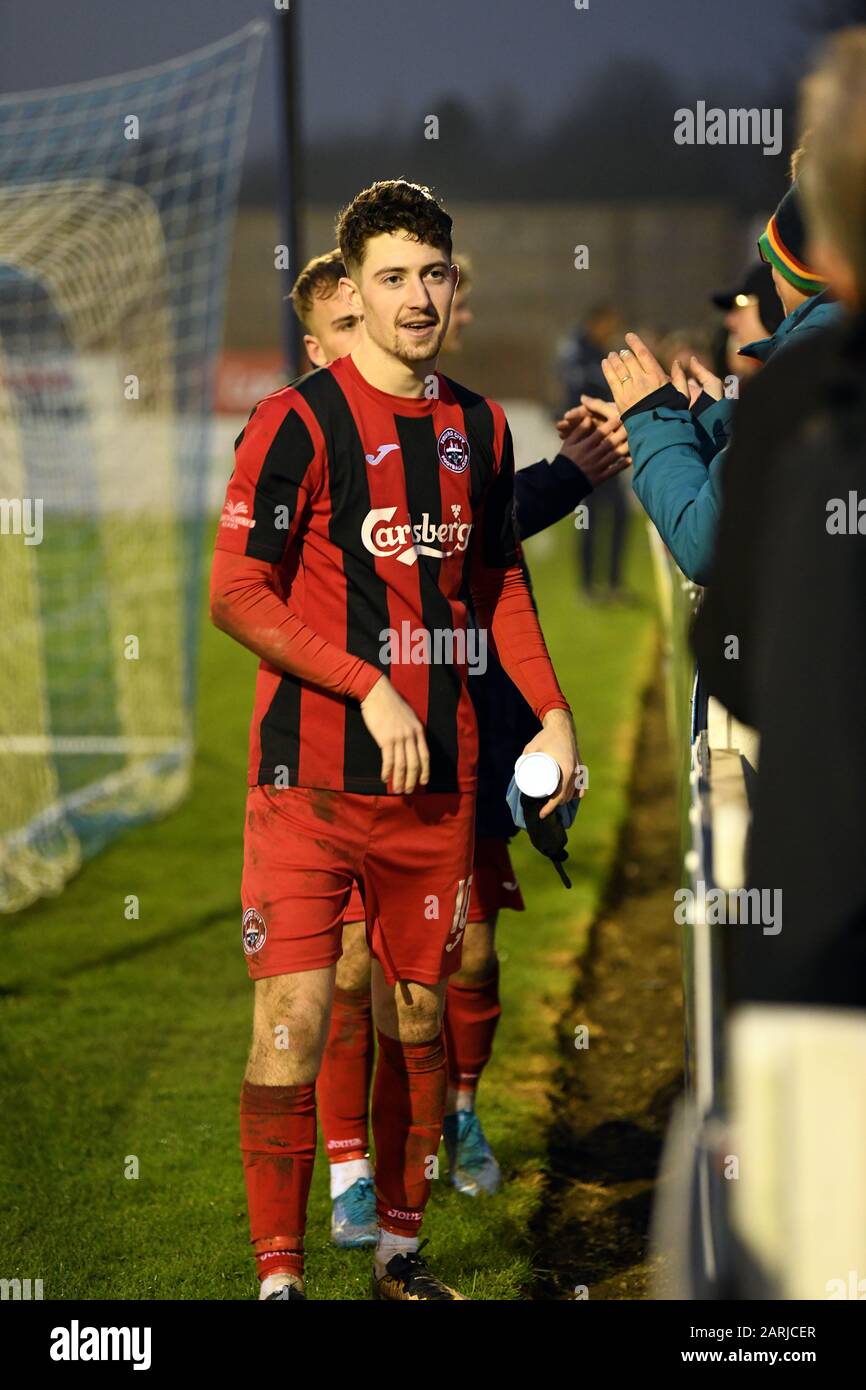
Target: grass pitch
[{"x": 124, "y": 1041}]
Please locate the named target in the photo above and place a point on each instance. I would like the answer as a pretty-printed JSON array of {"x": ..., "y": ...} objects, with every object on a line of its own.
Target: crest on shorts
[
  {"x": 453, "y": 450},
  {"x": 253, "y": 931}
]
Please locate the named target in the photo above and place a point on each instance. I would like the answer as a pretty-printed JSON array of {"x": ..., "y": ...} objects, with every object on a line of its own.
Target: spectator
[
  {"x": 789, "y": 585},
  {"x": 607, "y": 508},
  {"x": 579, "y": 355},
  {"x": 752, "y": 312},
  {"x": 678, "y": 446}
]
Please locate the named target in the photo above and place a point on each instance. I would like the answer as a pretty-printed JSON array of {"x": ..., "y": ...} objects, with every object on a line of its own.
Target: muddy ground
[{"x": 613, "y": 1096}]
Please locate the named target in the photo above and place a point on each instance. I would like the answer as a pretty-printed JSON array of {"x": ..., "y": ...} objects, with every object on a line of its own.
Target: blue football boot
[
  {"x": 473, "y": 1169},
  {"x": 353, "y": 1216}
]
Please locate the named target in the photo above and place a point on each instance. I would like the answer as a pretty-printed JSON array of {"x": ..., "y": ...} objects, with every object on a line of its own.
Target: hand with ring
[{"x": 632, "y": 373}]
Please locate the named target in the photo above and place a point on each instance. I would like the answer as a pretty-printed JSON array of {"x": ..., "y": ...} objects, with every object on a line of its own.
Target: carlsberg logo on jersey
[{"x": 407, "y": 542}]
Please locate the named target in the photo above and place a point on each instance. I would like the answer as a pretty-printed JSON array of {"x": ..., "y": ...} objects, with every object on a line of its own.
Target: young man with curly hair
[{"x": 363, "y": 497}]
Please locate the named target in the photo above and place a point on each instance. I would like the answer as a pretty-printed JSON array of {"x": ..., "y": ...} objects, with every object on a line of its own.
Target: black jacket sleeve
[{"x": 546, "y": 492}]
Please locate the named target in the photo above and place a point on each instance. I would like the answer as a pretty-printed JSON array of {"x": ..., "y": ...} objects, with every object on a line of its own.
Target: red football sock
[
  {"x": 408, "y": 1106},
  {"x": 280, "y": 1255},
  {"x": 343, "y": 1087},
  {"x": 471, "y": 1015},
  {"x": 278, "y": 1143}
]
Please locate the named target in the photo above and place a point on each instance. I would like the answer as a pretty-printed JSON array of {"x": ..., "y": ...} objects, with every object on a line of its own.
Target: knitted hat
[{"x": 783, "y": 245}]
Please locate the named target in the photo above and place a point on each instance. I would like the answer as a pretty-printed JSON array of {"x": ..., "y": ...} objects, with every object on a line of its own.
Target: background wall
[{"x": 526, "y": 291}]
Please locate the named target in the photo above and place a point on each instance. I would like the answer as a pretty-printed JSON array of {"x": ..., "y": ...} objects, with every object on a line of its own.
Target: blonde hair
[
  {"x": 318, "y": 279},
  {"x": 798, "y": 155},
  {"x": 833, "y": 178}
]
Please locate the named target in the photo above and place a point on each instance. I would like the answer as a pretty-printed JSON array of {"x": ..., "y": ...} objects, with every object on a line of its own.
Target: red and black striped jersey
[{"x": 376, "y": 511}]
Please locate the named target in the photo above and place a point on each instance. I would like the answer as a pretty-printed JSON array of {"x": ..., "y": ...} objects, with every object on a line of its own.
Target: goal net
[{"x": 116, "y": 207}]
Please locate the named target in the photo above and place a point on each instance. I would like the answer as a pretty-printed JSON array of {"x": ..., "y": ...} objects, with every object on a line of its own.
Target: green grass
[{"x": 128, "y": 1038}]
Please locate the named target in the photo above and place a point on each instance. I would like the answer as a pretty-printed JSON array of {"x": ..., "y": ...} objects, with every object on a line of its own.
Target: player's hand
[
  {"x": 599, "y": 411},
  {"x": 399, "y": 734},
  {"x": 632, "y": 373},
  {"x": 578, "y": 415},
  {"x": 599, "y": 453},
  {"x": 594, "y": 414},
  {"x": 558, "y": 738}
]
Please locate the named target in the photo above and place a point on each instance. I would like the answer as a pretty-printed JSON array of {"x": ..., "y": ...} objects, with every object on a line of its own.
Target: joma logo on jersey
[
  {"x": 407, "y": 542},
  {"x": 381, "y": 452},
  {"x": 235, "y": 515}
]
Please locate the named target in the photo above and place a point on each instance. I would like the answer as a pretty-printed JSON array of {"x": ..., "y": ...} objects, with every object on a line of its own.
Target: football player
[
  {"x": 362, "y": 498},
  {"x": 544, "y": 493}
]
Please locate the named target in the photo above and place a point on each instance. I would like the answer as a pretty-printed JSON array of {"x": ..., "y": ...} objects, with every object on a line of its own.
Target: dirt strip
[{"x": 618, "y": 1078}]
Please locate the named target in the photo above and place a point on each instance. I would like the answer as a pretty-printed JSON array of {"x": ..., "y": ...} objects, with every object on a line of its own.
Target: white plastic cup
[{"x": 537, "y": 774}]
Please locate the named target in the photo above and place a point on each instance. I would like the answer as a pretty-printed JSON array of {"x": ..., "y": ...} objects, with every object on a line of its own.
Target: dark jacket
[
  {"x": 543, "y": 494},
  {"x": 793, "y": 594}
]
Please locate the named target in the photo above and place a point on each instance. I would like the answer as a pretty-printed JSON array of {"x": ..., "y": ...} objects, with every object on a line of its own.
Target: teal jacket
[{"x": 678, "y": 454}]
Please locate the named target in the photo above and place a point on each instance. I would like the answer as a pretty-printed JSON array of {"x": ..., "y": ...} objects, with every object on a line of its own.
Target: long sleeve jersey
[{"x": 370, "y": 510}]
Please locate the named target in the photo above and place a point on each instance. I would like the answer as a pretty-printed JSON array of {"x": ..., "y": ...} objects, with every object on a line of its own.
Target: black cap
[{"x": 756, "y": 281}]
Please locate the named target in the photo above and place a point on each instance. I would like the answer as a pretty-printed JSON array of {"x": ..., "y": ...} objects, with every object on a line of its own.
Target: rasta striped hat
[{"x": 783, "y": 245}]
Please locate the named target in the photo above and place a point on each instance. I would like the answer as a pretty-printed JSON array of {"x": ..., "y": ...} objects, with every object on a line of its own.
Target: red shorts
[
  {"x": 494, "y": 885},
  {"x": 305, "y": 848}
]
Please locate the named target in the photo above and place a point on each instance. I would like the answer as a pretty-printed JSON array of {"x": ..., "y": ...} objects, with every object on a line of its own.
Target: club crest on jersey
[
  {"x": 453, "y": 451},
  {"x": 405, "y": 543},
  {"x": 254, "y": 933}
]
